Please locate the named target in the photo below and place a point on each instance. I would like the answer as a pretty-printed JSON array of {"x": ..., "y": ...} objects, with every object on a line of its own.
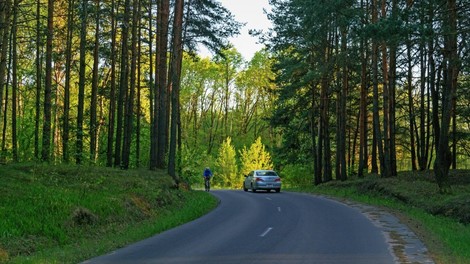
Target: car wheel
[
  {"x": 244, "y": 188},
  {"x": 278, "y": 190},
  {"x": 252, "y": 188}
]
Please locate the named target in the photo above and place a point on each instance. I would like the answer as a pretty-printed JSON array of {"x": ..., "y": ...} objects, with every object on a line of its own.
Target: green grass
[
  {"x": 66, "y": 214},
  {"x": 441, "y": 220}
]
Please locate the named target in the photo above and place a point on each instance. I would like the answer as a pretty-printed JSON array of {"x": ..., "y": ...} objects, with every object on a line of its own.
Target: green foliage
[
  {"x": 255, "y": 158},
  {"x": 297, "y": 175},
  {"x": 193, "y": 162},
  {"x": 226, "y": 164},
  {"x": 211, "y": 24},
  {"x": 65, "y": 214}
]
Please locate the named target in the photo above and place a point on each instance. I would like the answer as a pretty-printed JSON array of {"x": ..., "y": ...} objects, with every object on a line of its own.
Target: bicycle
[{"x": 207, "y": 183}]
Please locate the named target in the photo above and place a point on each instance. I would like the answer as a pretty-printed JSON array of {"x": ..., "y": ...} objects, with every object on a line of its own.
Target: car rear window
[{"x": 266, "y": 173}]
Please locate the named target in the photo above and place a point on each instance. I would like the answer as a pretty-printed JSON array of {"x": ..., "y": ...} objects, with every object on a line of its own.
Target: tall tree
[
  {"x": 162, "y": 82},
  {"x": 392, "y": 77},
  {"x": 208, "y": 23},
  {"x": 341, "y": 170},
  {"x": 14, "y": 85},
  {"x": 81, "y": 82},
  {"x": 68, "y": 65},
  {"x": 386, "y": 171},
  {"x": 176, "y": 63},
  {"x": 123, "y": 84},
  {"x": 38, "y": 78},
  {"x": 94, "y": 84},
  {"x": 5, "y": 7},
  {"x": 112, "y": 92},
  {"x": 375, "y": 90},
  {"x": 46, "y": 130},
  {"x": 443, "y": 153},
  {"x": 363, "y": 101},
  {"x": 230, "y": 61},
  {"x": 129, "y": 110},
  {"x": 409, "y": 86},
  {"x": 139, "y": 90}
]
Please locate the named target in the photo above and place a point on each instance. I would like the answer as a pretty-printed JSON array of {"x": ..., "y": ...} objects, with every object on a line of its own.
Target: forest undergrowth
[{"x": 68, "y": 213}]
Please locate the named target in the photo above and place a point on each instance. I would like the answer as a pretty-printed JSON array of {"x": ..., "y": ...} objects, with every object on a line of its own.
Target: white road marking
[
  {"x": 266, "y": 232},
  {"x": 269, "y": 198},
  {"x": 279, "y": 209}
]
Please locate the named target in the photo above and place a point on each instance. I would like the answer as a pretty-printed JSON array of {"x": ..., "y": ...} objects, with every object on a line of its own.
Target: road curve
[{"x": 266, "y": 228}]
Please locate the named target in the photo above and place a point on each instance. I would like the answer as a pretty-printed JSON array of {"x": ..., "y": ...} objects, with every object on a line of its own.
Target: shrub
[
  {"x": 297, "y": 175},
  {"x": 82, "y": 216}
]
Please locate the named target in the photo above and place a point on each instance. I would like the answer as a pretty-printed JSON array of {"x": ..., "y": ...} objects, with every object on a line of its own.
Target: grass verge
[
  {"x": 440, "y": 220},
  {"x": 67, "y": 214}
]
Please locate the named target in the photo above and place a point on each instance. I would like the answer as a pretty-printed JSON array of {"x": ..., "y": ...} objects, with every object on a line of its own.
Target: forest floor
[
  {"x": 441, "y": 220},
  {"x": 67, "y": 213}
]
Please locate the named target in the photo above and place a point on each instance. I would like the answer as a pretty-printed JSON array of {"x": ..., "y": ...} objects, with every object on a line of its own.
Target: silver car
[{"x": 262, "y": 180}]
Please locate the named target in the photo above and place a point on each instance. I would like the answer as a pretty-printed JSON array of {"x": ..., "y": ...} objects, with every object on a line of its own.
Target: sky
[{"x": 251, "y": 13}]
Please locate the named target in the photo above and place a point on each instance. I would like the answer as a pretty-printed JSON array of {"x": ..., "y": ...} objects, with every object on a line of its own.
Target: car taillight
[
  {"x": 277, "y": 180},
  {"x": 259, "y": 179}
]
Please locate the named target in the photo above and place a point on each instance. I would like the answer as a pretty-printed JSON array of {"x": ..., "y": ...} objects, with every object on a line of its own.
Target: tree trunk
[
  {"x": 162, "y": 70},
  {"x": 153, "y": 127},
  {"x": 81, "y": 83},
  {"x": 126, "y": 149},
  {"x": 112, "y": 93},
  {"x": 363, "y": 112},
  {"x": 5, "y": 7},
  {"x": 46, "y": 130},
  {"x": 426, "y": 146},
  {"x": 38, "y": 79},
  {"x": 375, "y": 81},
  {"x": 176, "y": 62},
  {"x": 443, "y": 153},
  {"x": 386, "y": 170},
  {"x": 5, "y": 116},
  {"x": 454, "y": 132},
  {"x": 392, "y": 95},
  {"x": 68, "y": 63},
  {"x": 14, "y": 84},
  {"x": 317, "y": 178},
  {"x": 94, "y": 85},
  {"x": 341, "y": 173},
  {"x": 138, "y": 101},
  {"x": 123, "y": 84},
  {"x": 411, "y": 118}
]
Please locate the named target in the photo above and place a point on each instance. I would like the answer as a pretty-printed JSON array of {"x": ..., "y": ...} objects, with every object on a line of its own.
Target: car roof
[{"x": 265, "y": 171}]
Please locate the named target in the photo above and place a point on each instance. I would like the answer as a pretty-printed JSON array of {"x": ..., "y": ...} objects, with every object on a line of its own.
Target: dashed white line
[
  {"x": 269, "y": 198},
  {"x": 279, "y": 209},
  {"x": 266, "y": 232}
]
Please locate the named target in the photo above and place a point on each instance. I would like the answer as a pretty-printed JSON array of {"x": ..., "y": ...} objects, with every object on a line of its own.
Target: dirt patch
[{"x": 3, "y": 255}]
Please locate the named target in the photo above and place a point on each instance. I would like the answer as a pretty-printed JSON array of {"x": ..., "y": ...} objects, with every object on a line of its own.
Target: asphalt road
[{"x": 266, "y": 228}]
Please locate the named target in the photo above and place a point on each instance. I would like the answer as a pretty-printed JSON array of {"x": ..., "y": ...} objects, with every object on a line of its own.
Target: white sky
[{"x": 251, "y": 13}]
